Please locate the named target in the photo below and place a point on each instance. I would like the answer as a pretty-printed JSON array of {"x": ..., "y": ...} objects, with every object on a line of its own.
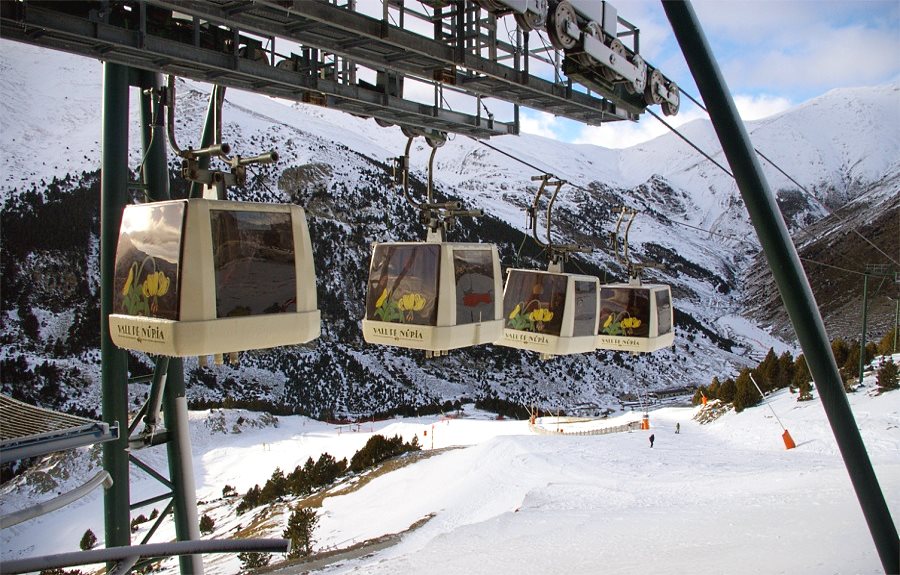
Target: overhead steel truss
[{"x": 333, "y": 55}]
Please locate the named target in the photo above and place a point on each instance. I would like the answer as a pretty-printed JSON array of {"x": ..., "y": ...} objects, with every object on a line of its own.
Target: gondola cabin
[
  {"x": 635, "y": 318},
  {"x": 201, "y": 277},
  {"x": 550, "y": 313},
  {"x": 433, "y": 296}
]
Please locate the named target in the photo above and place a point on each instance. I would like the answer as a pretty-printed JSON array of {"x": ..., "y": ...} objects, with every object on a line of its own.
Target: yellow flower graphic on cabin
[
  {"x": 381, "y": 298},
  {"x": 399, "y": 310},
  {"x": 156, "y": 285},
  {"x": 130, "y": 279},
  {"x": 528, "y": 321},
  {"x": 541, "y": 315},
  {"x": 411, "y": 302},
  {"x": 625, "y": 326},
  {"x": 142, "y": 298}
]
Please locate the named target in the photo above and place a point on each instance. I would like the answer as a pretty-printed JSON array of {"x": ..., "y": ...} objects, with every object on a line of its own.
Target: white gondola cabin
[
  {"x": 433, "y": 296},
  {"x": 550, "y": 313},
  {"x": 636, "y": 318},
  {"x": 201, "y": 277}
]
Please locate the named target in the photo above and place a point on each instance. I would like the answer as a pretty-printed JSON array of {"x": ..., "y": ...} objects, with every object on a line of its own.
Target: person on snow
[
  {"x": 678, "y": 427},
  {"x": 652, "y": 437}
]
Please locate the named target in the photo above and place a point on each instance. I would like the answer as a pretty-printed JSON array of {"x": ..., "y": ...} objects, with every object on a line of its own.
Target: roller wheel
[
  {"x": 619, "y": 50},
  {"x": 532, "y": 21},
  {"x": 558, "y": 23},
  {"x": 671, "y": 108},
  {"x": 651, "y": 91},
  {"x": 637, "y": 87}
]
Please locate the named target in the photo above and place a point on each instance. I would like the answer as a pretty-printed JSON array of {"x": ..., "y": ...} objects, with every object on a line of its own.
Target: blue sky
[{"x": 774, "y": 54}]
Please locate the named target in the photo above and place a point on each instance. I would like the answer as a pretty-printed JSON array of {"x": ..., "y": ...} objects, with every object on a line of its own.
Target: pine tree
[
  {"x": 207, "y": 524},
  {"x": 253, "y": 560},
  {"x": 840, "y": 350},
  {"x": 785, "y": 372},
  {"x": 801, "y": 372},
  {"x": 887, "y": 378},
  {"x": 767, "y": 371},
  {"x": 726, "y": 391},
  {"x": 301, "y": 525},
  {"x": 805, "y": 391},
  {"x": 886, "y": 345},
  {"x": 745, "y": 393},
  {"x": 88, "y": 540}
]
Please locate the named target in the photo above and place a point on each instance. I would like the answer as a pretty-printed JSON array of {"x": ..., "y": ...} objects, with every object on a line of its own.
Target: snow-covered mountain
[{"x": 692, "y": 224}]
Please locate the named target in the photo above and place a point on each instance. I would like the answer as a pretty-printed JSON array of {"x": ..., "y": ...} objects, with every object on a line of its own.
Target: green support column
[
  {"x": 178, "y": 447},
  {"x": 181, "y": 470},
  {"x": 896, "y": 322},
  {"x": 862, "y": 339},
  {"x": 113, "y": 370},
  {"x": 789, "y": 276},
  {"x": 209, "y": 134}
]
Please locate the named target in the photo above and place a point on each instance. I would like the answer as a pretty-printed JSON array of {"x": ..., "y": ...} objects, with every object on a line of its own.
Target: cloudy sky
[{"x": 774, "y": 54}]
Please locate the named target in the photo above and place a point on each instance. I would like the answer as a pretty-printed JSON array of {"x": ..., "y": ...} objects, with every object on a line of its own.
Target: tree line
[{"x": 784, "y": 371}]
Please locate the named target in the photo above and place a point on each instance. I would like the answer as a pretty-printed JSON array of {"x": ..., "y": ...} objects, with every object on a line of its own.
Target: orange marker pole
[{"x": 786, "y": 436}]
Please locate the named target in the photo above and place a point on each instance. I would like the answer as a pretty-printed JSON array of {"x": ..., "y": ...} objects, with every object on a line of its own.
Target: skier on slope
[{"x": 652, "y": 437}]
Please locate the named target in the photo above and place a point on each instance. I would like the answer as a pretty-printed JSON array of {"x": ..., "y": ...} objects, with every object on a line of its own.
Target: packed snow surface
[{"x": 724, "y": 497}]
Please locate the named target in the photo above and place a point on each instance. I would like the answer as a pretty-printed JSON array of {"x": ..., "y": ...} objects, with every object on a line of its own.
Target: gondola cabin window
[
  {"x": 664, "y": 311},
  {"x": 253, "y": 255},
  {"x": 204, "y": 277},
  {"x": 476, "y": 293},
  {"x": 403, "y": 284},
  {"x": 535, "y": 301},
  {"x": 585, "y": 322},
  {"x": 146, "y": 276}
]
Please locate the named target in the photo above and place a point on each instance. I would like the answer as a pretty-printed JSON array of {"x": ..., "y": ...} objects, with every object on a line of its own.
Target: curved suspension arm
[
  {"x": 404, "y": 177},
  {"x": 217, "y": 149}
]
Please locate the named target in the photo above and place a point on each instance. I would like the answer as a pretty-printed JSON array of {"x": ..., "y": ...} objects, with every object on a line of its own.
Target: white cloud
[
  {"x": 627, "y": 134},
  {"x": 762, "y": 106},
  {"x": 541, "y": 124}
]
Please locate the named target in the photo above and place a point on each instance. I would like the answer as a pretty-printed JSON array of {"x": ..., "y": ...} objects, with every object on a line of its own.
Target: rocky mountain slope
[{"x": 841, "y": 147}]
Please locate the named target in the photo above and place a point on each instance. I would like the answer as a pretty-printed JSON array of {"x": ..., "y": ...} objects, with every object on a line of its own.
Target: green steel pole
[
  {"x": 862, "y": 339},
  {"x": 896, "y": 322},
  {"x": 113, "y": 366},
  {"x": 210, "y": 128},
  {"x": 789, "y": 276},
  {"x": 181, "y": 470}
]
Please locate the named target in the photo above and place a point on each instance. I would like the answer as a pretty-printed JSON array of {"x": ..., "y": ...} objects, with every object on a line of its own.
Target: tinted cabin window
[
  {"x": 625, "y": 311},
  {"x": 585, "y": 308},
  {"x": 664, "y": 311},
  {"x": 474, "y": 273},
  {"x": 403, "y": 284},
  {"x": 253, "y": 260},
  {"x": 534, "y": 301},
  {"x": 146, "y": 280}
]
